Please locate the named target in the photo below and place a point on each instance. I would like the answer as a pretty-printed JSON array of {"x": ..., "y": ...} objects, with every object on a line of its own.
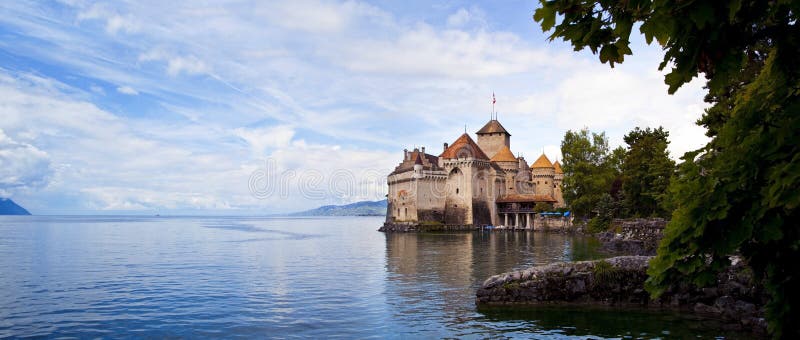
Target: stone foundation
[
  {"x": 415, "y": 227},
  {"x": 547, "y": 223}
]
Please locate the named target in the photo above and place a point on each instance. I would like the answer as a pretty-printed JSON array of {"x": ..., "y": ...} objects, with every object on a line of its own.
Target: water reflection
[
  {"x": 433, "y": 277},
  {"x": 457, "y": 259}
]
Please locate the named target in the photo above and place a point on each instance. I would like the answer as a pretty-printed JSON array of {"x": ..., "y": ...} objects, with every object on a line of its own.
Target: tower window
[{"x": 456, "y": 190}]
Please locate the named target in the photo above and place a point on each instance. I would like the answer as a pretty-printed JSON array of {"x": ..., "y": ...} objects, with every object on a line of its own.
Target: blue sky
[{"x": 150, "y": 106}]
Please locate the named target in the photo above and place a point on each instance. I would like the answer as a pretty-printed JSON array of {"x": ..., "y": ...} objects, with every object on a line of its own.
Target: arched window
[
  {"x": 406, "y": 212},
  {"x": 456, "y": 190}
]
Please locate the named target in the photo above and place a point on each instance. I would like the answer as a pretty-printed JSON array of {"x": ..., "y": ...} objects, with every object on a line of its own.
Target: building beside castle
[{"x": 472, "y": 183}]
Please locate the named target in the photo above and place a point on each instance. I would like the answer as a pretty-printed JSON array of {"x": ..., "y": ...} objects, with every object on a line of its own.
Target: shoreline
[{"x": 618, "y": 283}]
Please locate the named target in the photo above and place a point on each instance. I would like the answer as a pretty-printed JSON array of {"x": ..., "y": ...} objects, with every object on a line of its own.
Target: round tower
[
  {"x": 418, "y": 166},
  {"x": 543, "y": 176},
  {"x": 558, "y": 194},
  {"x": 559, "y": 177}
]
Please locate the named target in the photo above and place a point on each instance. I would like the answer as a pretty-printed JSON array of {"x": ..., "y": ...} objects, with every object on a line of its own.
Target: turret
[
  {"x": 418, "y": 166},
  {"x": 559, "y": 174},
  {"x": 543, "y": 176}
]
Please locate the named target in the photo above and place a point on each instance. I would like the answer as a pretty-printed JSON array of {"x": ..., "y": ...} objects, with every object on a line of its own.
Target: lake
[{"x": 118, "y": 276}]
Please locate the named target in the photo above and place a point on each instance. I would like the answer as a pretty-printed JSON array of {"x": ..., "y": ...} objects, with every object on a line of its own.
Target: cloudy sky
[{"x": 271, "y": 106}]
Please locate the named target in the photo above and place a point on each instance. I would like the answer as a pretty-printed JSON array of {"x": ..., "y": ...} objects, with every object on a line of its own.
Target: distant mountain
[
  {"x": 363, "y": 208},
  {"x": 8, "y": 207}
]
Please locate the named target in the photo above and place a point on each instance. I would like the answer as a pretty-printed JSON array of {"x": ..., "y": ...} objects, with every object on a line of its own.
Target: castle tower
[
  {"x": 505, "y": 159},
  {"x": 558, "y": 179},
  {"x": 543, "y": 176},
  {"x": 492, "y": 137},
  {"x": 418, "y": 167},
  {"x": 467, "y": 184}
]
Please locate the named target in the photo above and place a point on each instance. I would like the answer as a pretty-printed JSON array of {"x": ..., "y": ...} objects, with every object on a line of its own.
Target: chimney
[
  {"x": 423, "y": 150},
  {"x": 405, "y": 154},
  {"x": 445, "y": 146}
]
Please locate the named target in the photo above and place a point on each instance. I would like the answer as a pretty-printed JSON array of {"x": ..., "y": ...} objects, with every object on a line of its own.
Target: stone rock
[
  {"x": 702, "y": 308},
  {"x": 619, "y": 281},
  {"x": 635, "y": 237}
]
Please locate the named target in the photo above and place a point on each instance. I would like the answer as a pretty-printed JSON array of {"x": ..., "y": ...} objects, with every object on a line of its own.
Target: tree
[
  {"x": 588, "y": 174},
  {"x": 542, "y": 207},
  {"x": 740, "y": 192},
  {"x": 646, "y": 172}
]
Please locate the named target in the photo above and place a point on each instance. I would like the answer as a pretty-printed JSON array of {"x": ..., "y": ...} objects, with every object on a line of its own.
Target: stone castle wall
[
  {"x": 548, "y": 223},
  {"x": 491, "y": 143}
]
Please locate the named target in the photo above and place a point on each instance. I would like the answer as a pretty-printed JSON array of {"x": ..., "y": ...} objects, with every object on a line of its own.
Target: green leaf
[
  {"x": 609, "y": 54},
  {"x": 546, "y": 16},
  {"x": 658, "y": 27},
  {"x": 735, "y": 6},
  {"x": 702, "y": 14}
]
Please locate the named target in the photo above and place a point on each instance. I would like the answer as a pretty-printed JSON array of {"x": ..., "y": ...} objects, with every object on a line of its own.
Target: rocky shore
[{"x": 736, "y": 299}]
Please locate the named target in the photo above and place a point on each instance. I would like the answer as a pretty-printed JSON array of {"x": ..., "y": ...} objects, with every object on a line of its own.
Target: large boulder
[{"x": 619, "y": 281}]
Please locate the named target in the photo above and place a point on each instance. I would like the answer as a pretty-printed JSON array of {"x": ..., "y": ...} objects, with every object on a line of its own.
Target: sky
[{"x": 263, "y": 107}]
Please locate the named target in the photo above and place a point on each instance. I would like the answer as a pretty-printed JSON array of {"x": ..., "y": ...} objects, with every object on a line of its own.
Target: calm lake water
[{"x": 283, "y": 277}]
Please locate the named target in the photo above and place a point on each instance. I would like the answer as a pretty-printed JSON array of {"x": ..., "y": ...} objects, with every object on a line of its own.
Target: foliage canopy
[
  {"x": 646, "y": 172},
  {"x": 738, "y": 194},
  {"x": 588, "y": 170}
]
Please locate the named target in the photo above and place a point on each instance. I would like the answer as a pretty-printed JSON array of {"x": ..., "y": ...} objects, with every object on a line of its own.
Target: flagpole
[{"x": 494, "y": 113}]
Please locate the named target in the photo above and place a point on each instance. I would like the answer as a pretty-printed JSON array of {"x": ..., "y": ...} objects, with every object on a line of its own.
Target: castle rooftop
[
  {"x": 542, "y": 162},
  {"x": 557, "y": 166},
  {"x": 504, "y": 155},
  {"x": 464, "y": 147},
  {"x": 493, "y": 126}
]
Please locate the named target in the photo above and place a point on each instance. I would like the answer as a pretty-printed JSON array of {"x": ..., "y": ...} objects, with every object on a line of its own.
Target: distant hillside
[
  {"x": 8, "y": 207},
  {"x": 364, "y": 208}
]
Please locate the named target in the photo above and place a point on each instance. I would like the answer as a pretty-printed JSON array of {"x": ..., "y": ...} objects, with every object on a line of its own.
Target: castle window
[
  {"x": 406, "y": 212},
  {"x": 456, "y": 190}
]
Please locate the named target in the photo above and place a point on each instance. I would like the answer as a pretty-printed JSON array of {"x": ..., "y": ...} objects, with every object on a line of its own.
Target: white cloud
[
  {"x": 424, "y": 51},
  {"x": 459, "y": 18},
  {"x": 127, "y": 90},
  {"x": 188, "y": 64},
  {"x": 462, "y": 17},
  {"x": 262, "y": 139},
  {"x": 114, "y": 22},
  {"x": 22, "y": 166}
]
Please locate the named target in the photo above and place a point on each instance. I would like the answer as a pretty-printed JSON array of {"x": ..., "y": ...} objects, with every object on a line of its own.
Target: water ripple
[{"x": 200, "y": 277}]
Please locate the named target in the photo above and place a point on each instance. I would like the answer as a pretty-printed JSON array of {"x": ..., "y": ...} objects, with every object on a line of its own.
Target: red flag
[{"x": 493, "y": 100}]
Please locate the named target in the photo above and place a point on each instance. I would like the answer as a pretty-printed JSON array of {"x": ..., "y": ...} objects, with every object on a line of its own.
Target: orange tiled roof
[
  {"x": 542, "y": 162},
  {"x": 464, "y": 143},
  {"x": 558, "y": 168},
  {"x": 493, "y": 126},
  {"x": 525, "y": 198},
  {"x": 504, "y": 155}
]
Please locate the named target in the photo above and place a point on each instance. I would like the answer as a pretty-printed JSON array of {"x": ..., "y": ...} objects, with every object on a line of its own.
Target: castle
[{"x": 472, "y": 184}]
